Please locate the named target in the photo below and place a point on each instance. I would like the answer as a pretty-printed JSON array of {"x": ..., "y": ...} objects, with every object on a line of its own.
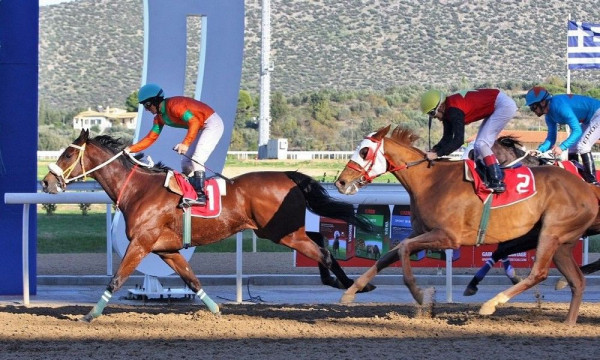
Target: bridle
[
  {"x": 376, "y": 162},
  {"x": 63, "y": 175}
]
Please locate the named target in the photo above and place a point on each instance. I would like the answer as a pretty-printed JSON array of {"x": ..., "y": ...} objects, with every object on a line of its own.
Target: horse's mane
[
  {"x": 117, "y": 145},
  {"x": 510, "y": 141},
  {"x": 404, "y": 135}
]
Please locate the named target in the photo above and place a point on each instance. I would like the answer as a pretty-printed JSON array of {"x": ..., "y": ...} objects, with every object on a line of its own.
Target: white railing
[{"x": 374, "y": 194}]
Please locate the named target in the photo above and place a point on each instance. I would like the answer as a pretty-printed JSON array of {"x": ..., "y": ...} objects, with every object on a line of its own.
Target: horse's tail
[{"x": 319, "y": 202}]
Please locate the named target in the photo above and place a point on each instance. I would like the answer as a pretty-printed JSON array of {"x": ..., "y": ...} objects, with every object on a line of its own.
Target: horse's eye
[{"x": 364, "y": 153}]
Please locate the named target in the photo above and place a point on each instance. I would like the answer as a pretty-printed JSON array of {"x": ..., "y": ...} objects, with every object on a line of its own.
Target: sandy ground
[
  {"x": 187, "y": 330},
  {"x": 370, "y": 331}
]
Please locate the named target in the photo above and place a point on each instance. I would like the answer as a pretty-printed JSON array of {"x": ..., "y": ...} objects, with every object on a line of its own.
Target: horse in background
[
  {"x": 271, "y": 203},
  {"x": 446, "y": 213},
  {"x": 509, "y": 151}
]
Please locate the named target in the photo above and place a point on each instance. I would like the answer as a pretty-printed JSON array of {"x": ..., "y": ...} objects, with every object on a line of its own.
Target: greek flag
[{"x": 583, "y": 49}]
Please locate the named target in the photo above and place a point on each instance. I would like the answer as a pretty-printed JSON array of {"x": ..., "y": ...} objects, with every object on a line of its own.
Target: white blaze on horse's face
[{"x": 369, "y": 156}]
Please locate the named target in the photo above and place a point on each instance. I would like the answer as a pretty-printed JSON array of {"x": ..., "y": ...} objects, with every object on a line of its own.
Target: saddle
[
  {"x": 215, "y": 189},
  {"x": 520, "y": 185}
]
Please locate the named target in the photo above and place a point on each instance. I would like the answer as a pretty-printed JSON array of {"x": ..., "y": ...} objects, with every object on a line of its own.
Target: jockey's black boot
[
  {"x": 495, "y": 178},
  {"x": 198, "y": 184},
  {"x": 589, "y": 168},
  {"x": 573, "y": 157}
]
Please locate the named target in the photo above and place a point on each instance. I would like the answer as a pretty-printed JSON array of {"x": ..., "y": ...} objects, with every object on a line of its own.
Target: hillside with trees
[{"x": 341, "y": 68}]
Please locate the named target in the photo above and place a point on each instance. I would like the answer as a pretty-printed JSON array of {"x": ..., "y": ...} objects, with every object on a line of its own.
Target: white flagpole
[{"x": 568, "y": 70}]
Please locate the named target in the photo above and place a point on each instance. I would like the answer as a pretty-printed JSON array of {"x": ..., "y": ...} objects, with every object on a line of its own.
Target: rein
[
  {"x": 125, "y": 184},
  {"x": 63, "y": 175}
]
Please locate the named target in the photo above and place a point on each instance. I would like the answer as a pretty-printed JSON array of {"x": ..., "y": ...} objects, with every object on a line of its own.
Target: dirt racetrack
[{"x": 330, "y": 331}]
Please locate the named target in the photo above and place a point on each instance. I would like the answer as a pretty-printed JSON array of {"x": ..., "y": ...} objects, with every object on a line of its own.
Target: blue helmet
[
  {"x": 536, "y": 94},
  {"x": 149, "y": 92}
]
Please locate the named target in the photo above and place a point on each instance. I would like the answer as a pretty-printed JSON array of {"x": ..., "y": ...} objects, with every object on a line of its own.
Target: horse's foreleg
[
  {"x": 435, "y": 239},
  {"x": 364, "y": 280},
  {"x": 566, "y": 264},
  {"x": 132, "y": 258},
  {"x": 178, "y": 263}
]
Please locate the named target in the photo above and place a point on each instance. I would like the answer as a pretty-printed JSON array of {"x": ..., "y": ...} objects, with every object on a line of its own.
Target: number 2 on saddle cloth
[{"x": 520, "y": 185}]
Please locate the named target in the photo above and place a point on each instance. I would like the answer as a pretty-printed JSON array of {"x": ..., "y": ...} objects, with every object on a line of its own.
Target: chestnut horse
[
  {"x": 446, "y": 213},
  {"x": 271, "y": 203}
]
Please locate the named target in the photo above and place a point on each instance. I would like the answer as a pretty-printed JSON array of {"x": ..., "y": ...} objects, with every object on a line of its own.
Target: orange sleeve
[{"x": 148, "y": 140}]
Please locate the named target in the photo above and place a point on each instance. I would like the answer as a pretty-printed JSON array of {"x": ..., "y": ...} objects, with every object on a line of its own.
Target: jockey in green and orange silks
[{"x": 204, "y": 130}]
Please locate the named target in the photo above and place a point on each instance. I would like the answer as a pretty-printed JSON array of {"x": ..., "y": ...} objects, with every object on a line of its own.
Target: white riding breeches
[
  {"x": 590, "y": 134},
  {"x": 203, "y": 146},
  {"x": 505, "y": 109}
]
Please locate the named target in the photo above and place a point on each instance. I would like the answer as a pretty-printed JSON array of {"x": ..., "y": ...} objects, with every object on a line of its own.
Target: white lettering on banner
[{"x": 523, "y": 185}]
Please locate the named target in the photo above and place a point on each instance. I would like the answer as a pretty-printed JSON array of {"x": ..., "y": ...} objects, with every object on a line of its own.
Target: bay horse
[
  {"x": 446, "y": 212},
  {"x": 508, "y": 149},
  {"x": 271, "y": 203}
]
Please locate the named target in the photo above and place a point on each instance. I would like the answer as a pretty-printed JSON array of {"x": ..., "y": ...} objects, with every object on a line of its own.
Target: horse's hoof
[
  {"x": 367, "y": 288},
  {"x": 347, "y": 298},
  {"x": 561, "y": 283},
  {"x": 470, "y": 290},
  {"x": 428, "y": 296},
  {"x": 487, "y": 309},
  {"x": 87, "y": 319},
  {"x": 515, "y": 279}
]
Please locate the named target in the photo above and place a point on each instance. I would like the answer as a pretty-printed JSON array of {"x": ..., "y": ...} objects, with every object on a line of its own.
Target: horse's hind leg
[
  {"x": 178, "y": 263},
  {"x": 527, "y": 242},
  {"x": 341, "y": 281},
  {"x": 132, "y": 258},
  {"x": 539, "y": 272},
  {"x": 566, "y": 264},
  {"x": 585, "y": 269}
]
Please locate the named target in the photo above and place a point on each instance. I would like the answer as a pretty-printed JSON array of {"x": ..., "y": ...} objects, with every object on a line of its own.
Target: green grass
[{"x": 67, "y": 231}]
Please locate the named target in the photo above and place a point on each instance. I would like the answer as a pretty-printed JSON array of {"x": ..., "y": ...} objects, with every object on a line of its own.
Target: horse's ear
[
  {"x": 83, "y": 135},
  {"x": 381, "y": 133}
]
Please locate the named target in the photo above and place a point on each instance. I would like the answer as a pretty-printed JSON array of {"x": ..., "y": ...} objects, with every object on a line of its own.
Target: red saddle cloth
[
  {"x": 213, "y": 196},
  {"x": 573, "y": 169},
  {"x": 520, "y": 185}
]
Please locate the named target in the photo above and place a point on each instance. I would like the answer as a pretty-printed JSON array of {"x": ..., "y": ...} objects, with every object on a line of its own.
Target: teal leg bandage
[
  {"x": 99, "y": 307},
  {"x": 212, "y": 306}
]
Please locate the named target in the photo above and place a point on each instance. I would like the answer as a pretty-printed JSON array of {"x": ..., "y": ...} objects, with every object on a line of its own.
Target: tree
[
  {"x": 131, "y": 104},
  {"x": 279, "y": 106}
]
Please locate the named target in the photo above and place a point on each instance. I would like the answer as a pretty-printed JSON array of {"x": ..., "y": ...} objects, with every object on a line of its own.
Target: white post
[
  {"x": 586, "y": 247},
  {"x": 264, "y": 117},
  {"x": 238, "y": 267},
  {"x": 449, "y": 255},
  {"x": 25, "y": 244},
  {"x": 568, "y": 70},
  {"x": 253, "y": 241},
  {"x": 109, "y": 264}
]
